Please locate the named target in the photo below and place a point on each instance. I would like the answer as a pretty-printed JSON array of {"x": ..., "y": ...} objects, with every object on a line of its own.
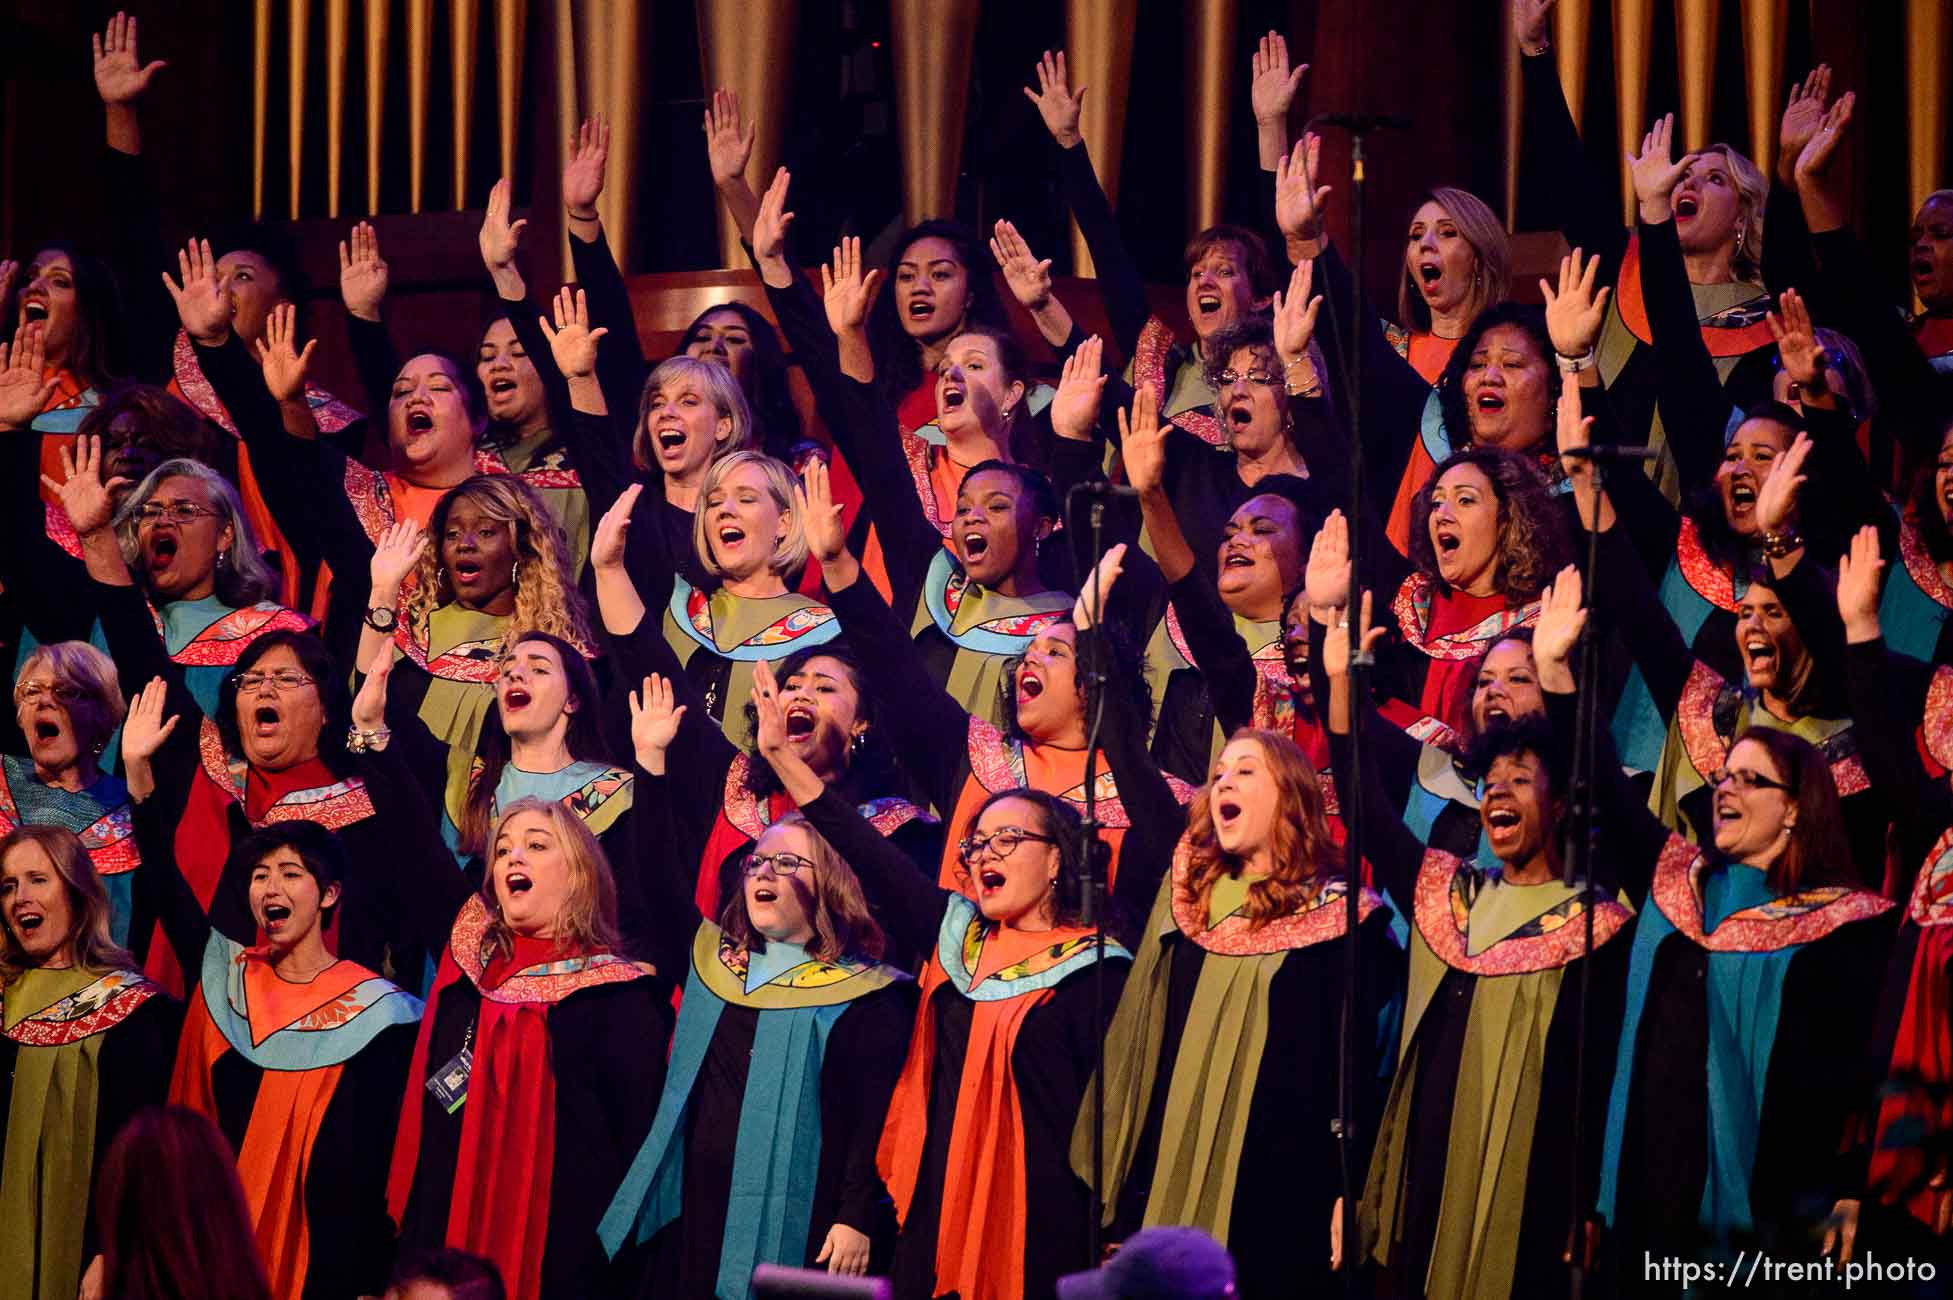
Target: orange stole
[
  {"x": 1055, "y": 771},
  {"x": 290, "y": 1105},
  {"x": 981, "y": 1226}
]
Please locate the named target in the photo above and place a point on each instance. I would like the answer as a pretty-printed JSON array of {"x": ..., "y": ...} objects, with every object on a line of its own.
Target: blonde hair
[
  {"x": 1485, "y": 233},
  {"x": 88, "y": 670},
  {"x": 88, "y": 905},
  {"x": 1754, "y": 189},
  {"x": 843, "y": 924},
  {"x": 588, "y": 922},
  {"x": 719, "y": 387},
  {"x": 546, "y": 595},
  {"x": 790, "y": 552}
]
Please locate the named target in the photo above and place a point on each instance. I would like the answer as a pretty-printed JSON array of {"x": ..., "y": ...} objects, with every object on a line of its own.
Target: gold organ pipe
[
  {"x": 1211, "y": 65},
  {"x": 741, "y": 47},
  {"x": 1512, "y": 127},
  {"x": 420, "y": 37},
  {"x": 464, "y": 29},
  {"x": 338, "y": 26},
  {"x": 1928, "y": 26},
  {"x": 379, "y": 14},
  {"x": 1572, "y": 29},
  {"x": 1764, "y": 23},
  {"x": 1634, "y": 29},
  {"x": 934, "y": 44},
  {"x": 295, "y": 47},
  {"x": 1098, "y": 56},
  {"x": 1698, "y": 29},
  {"x": 511, "y": 26},
  {"x": 260, "y": 99}
]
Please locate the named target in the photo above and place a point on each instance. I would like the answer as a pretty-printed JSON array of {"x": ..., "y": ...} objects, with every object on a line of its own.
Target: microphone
[
  {"x": 1365, "y": 122},
  {"x": 1612, "y": 451},
  {"x": 1102, "y": 488}
]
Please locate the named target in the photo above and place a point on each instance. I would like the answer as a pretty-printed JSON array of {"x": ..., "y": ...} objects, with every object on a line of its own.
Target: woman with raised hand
[
  {"x": 68, "y": 309},
  {"x": 956, "y": 758},
  {"x": 1755, "y": 966},
  {"x": 1470, "y": 1181},
  {"x": 296, "y": 1054},
  {"x": 499, "y": 567},
  {"x": 1250, "y": 913},
  {"x": 182, "y": 538},
  {"x": 85, "y": 1045},
  {"x": 1718, "y": 197},
  {"x": 975, "y": 1148},
  {"x": 67, "y": 704},
  {"x": 542, "y": 1050},
  {"x": 1788, "y": 646},
  {"x": 725, "y": 796},
  {"x": 789, "y": 1040}
]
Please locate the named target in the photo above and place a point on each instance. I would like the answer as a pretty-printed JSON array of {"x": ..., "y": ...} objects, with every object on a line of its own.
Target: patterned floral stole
[
  {"x": 1149, "y": 369},
  {"x": 1712, "y": 711},
  {"x": 227, "y": 637},
  {"x": 546, "y": 982},
  {"x": 95, "y": 1008},
  {"x": 1442, "y": 902},
  {"x": 1323, "y": 917},
  {"x": 1786, "y": 922},
  {"x": 334, "y": 806},
  {"x": 1413, "y": 609},
  {"x": 997, "y": 763}
]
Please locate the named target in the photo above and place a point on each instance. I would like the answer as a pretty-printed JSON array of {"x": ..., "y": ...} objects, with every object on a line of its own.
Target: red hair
[{"x": 1304, "y": 855}]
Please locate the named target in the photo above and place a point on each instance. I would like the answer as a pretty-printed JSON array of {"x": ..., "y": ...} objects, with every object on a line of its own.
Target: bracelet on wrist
[
  {"x": 1777, "y": 545},
  {"x": 1533, "y": 52},
  {"x": 1574, "y": 365},
  {"x": 363, "y": 742},
  {"x": 591, "y": 215}
]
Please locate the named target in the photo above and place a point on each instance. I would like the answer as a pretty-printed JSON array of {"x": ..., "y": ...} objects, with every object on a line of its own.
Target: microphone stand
[{"x": 1092, "y": 907}]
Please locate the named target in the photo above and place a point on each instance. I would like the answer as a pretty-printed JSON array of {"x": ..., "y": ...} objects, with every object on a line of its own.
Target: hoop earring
[{"x": 440, "y": 578}]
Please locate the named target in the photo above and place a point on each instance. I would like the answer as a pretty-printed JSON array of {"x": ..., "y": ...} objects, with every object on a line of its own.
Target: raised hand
[
  {"x": 572, "y": 342},
  {"x": 500, "y": 238},
  {"x": 24, "y": 393},
  {"x": 827, "y": 533},
  {"x": 1858, "y": 585},
  {"x": 770, "y": 715},
  {"x": 1056, "y": 102},
  {"x": 728, "y": 145},
  {"x": 1797, "y": 347},
  {"x": 370, "y": 704},
  {"x": 1325, "y": 582},
  {"x": 89, "y": 502},
  {"x": 200, "y": 300},
  {"x": 362, "y": 272},
  {"x": 145, "y": 728},
  {"x": 1815, "y": 158},
  {"x": 1076, "y": 407},
  {"x": 607, "y": 543},
  {"x": 1298, "y": 205},
  {"x": 1575, "y": 312},
  {"x": 1778, "y": 495},
  {"x": 120, "y": 76},
  {"x": 1841, "y": 1230},
  {"x": 394, "y": 557},
  {"x": 1097, "y": 587},
  {"x": 1295, "y": 314},
  {"x": 1028, "y": 277},
  {"x": 1561, "y": 616},
  {"x": 1142, "y": 442},
  {"x": 1655, "y": 174},
  {"x": 654, "y": 721},
  {"x": 847, "y": 293},
  {"x": 1272, "y": 86},
  {"x": 1529, "y": 20},
  {"x": 583, "y": 174},
  {"x": 1336, "y": 641},
  {"x": 284, "y": 366},
  {"x": 770, "y": 226},
  {"x": 1803, "y": 113}
]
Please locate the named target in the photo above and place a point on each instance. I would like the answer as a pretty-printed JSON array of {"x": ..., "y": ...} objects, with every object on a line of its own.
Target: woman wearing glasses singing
[
  {"x": 181, "y": 536},
  {"x": 789, "y": 1037}
]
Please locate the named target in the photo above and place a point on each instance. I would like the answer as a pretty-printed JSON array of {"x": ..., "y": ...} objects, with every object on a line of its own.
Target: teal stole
[
  {"x": 1917, "y": 601},
  {"x": 777, "y": 1152}
]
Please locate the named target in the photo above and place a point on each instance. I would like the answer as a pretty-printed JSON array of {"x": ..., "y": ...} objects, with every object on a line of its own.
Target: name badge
[{"x": 449, "y": 1084}]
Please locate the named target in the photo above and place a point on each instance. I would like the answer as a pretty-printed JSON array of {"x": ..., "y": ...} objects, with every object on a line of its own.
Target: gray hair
[
  {"x": 719, "y": 387},
  {"x": 243, "y": 578}
]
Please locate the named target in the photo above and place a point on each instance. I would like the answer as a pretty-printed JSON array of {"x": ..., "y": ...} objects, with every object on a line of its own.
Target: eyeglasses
[
  {"x": 180, "y": 513},
  {"x": 1744, "y": 779},
  {"x": 783, "y": 864},
  {"x": 1259, "y": 378},
  {"x": 1004, "y": 841},
  {"x": 285, "y": 679},
  {"x": 34, "y": 692}
]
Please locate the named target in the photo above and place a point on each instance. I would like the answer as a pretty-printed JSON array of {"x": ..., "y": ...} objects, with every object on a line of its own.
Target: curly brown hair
[
  {"x": 1533, "y": 543},
  {"x": 1303, "y": 852},
  {"x": 546, "y": 595}
]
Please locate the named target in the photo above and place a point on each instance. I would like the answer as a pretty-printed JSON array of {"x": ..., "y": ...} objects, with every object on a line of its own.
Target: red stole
[{"x": 1922, "y": 1059}]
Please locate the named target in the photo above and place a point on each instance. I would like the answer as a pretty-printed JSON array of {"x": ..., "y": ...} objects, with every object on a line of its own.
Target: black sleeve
[
  {"x": 867, "y": 1047},
  {"x": 928, "y": 729},
  {"x": 1582, "y": 202},
  {"x": 908, "y": 902},
  {"x": 1633, "y": 609},
  {"x": 621, "y": 365},
  {"x": 376, "y": 359},
  {"x": 655, "y": 891},
  {"x": 1157, "y": 818},
  {"x": 1393, "y": 393},
  {"x": 1394, "y": 752},
  {"x": 909, "y": 540},
  {"x": 1120, "y": 284},
  {"x": 1694, "y": 409},
  {"x": 1886, "y": 694},
  {"x": 525, "y": 319},
  {"x": 49, "y": 588},
  {"x": 1394, "y": 854},
  {"x": 1787, "y": 258},
  {"x": 600, "y": 448},
  {"x": 428, "y": 889},
  {"x": 163, "y": 893},
  {"x": 1225, "y": 664},
  {"x": 1629, "y": 838},
  {"x": 149, "y": 318}
]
